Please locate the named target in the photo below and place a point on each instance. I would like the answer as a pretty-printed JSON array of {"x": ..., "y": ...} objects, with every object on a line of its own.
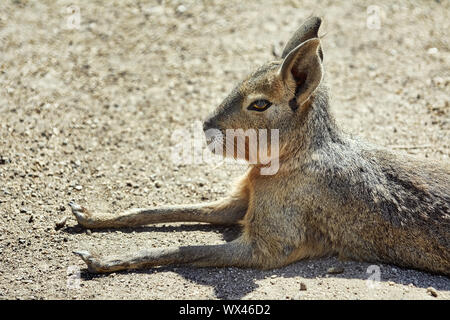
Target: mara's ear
[
  {"x": 303, "y": 66},
  {"x": 308, "y": 30}
]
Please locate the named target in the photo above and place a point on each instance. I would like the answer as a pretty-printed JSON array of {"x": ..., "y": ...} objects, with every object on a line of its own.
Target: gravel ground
[{"x": 88, "y": 107}]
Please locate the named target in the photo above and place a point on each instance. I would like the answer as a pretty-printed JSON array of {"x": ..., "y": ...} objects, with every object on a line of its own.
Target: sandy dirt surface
[{"x": 88, "y": 108}]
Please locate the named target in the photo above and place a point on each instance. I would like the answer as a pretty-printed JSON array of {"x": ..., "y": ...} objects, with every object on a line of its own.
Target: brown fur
[{"x": 332, "y": 194}]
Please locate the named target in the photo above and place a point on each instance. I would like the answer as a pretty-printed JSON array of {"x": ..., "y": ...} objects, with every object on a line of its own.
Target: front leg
[{"x": 238, "y": 253}]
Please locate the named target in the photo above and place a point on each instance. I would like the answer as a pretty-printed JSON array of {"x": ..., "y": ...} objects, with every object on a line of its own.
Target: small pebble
[
  {"x": 78, "y": 188},
  {"x": 4, "y": 160},
  {"x": 433, "y": 51},
  {"x": 432, "y": 291},
  {"x": 335, "y": 270},
  {"x": 181, "y": 9},
  {"x": 302, "y": 286},
  {"x": 61, "y": 223}
]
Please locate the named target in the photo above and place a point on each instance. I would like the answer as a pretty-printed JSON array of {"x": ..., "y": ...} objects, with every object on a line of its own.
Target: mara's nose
[{"x": 209, "y": 124}]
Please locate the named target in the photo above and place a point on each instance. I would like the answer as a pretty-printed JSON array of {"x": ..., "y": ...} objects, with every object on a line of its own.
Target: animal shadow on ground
[{"x": 235, "y": 283}]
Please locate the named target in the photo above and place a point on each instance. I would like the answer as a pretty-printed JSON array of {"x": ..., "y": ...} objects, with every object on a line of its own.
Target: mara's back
[{"x": 382, "y": 206}]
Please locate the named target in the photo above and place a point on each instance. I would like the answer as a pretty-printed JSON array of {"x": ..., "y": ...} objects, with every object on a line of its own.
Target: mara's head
[{"x": 267, "y": 100}]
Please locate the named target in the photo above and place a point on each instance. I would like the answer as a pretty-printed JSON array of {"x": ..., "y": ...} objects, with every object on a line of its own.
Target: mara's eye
[{"x": 259, "y": 105}]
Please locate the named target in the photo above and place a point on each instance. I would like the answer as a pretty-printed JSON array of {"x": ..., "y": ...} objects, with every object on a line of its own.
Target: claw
[
  {"x": 92, "y": 263},
  {"x": 85, "y": 255},
  {"x": 82, "y": 215},
  {"x": 77, "y": 210}
]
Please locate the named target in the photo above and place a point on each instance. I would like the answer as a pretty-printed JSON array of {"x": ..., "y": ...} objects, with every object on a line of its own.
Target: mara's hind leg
[
  {"x": 243, "y": 252},
  {"x": 236, "y": 253},
  {"x": 227, "y": 211}
]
